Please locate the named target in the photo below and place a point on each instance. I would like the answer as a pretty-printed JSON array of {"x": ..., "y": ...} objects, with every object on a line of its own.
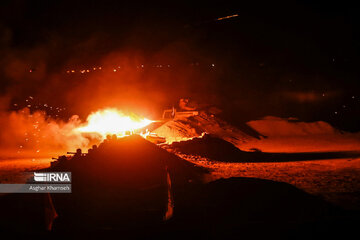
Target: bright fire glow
[{"x": 113, "y": 121}]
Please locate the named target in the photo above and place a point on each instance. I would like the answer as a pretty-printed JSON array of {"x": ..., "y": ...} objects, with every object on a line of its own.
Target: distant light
[
  {"x": 213, "y": 65},
  {"x": 336, "y": 112},
  {"x": 227, "y": 17},
  {"x": 72, "y": 71},
  {"x": 114, "y": 70}
]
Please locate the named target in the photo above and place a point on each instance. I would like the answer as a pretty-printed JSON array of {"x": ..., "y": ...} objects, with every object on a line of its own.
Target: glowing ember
[{"x": 113, "y": 121}]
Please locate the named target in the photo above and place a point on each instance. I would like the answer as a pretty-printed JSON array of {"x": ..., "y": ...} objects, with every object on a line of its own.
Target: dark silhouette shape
[
  {"x": 108, "y": 137},
  {"x": 62, "y": 159},
  {"x": 78, "y": 152},
  {"x": 218, "y": 149},
  {"x": 114, "y": 137}
]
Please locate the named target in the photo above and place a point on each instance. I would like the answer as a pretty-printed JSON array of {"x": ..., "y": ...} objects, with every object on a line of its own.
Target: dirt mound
[
  {"x": 292, "y": 135},
  {"x": 212, "y": 147},
  {"x": 133, "y": 158},
  {"x": 270, "y": 134},
  {"x": 275, "y": 126},
  {"x": 220, "y": 150},
  {"x": 130, "y": 175},
  {"x": 186, "y": 128}
]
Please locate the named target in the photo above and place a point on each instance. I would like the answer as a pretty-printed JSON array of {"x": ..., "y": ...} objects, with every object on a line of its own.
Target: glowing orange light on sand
[{"x": 113, "y": 121}]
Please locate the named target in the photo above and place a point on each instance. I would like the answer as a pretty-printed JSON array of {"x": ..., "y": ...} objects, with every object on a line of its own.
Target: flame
[{"x": 113, "y": 121}]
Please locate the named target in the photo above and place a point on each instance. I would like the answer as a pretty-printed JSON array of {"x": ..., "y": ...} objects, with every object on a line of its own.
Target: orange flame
[{"x": 113, "y": 121}]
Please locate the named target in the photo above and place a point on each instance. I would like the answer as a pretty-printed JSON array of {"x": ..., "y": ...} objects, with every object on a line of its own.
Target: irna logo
[{"x": 52, "y": 177}]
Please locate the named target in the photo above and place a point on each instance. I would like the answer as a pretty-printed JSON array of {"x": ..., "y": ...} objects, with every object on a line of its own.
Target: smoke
[
  {"x": 25, "y": 134},
  {"x": 136, "y": 81},
  {"x": 130, "y": 81},
  {"x": 309, "y": 96}
]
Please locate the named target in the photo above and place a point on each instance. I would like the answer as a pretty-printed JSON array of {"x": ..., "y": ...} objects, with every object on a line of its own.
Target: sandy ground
[
  {"x": 15, "y": 170},
  {"x": 335, "y": 180}
]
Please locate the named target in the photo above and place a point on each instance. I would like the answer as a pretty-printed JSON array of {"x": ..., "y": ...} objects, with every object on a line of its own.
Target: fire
[{"x": 113, "y": 121}]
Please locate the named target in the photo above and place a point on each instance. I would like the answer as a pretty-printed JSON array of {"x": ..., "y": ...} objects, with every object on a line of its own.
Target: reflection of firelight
[{"x": 112, "y": 121}]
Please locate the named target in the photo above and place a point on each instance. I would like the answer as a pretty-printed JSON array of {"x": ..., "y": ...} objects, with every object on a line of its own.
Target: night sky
[{"x": 288, "y": 59}]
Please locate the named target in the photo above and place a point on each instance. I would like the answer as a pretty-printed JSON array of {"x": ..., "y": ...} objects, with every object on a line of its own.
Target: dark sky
[
  {"x": 299, "y": 29},
  {"x": 287, "y": 54}
]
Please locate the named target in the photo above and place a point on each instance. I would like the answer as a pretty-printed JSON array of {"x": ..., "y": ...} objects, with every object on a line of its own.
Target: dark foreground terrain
[{"x": 130, "y": 188}]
